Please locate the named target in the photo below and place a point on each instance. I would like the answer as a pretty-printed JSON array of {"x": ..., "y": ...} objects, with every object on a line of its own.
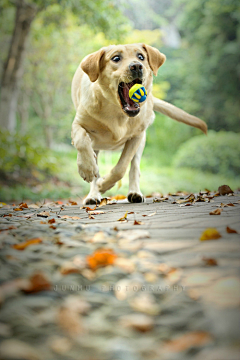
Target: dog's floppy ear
[
  {"x": 155, "y": 58},
  {"x": 91, "y": 64}
]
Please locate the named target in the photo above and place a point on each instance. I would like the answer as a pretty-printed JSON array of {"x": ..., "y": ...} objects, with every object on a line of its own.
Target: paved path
[{"x": 164, "y": 294}]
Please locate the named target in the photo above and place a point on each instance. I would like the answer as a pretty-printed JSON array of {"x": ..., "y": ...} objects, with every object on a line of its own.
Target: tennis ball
[{"x": 138, "y": 93}]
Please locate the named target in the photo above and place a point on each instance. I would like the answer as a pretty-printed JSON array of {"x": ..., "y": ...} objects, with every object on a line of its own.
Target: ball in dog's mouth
[{"x": 129, "y": 106}]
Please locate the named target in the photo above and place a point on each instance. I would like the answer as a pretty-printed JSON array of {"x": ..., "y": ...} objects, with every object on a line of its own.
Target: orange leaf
[
  {"x": 23, "y": 205},
  {"x": 25, "y": 244},
  {"x": 7, "y": 215},
  {"x": 185, "y": 341},
  {"x": 231, "y": 231},
  {"x": 210, "y": 234},
  {"x": 216, "y": 212},
  {"x": 73, "y": 202},
  {"x": 52, "y": 227},
  {"x": 138, "y": 222},
  {"x": 101, "y": 258},
  {"x": 87, "y": 208},
  {"x": 18, "y": 209},
  {"x": 51, "y": 221}
]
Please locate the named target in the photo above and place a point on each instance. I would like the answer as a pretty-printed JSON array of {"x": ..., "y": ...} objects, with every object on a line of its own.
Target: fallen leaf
[
  {"x": 69, "y": 217},
  {"x": 124, "y": 217},
  {"x": 103, "y": 202},
  {"x": 231, "y": 231},
  {"x": 160, "y": 199},
  {"x": 131, "y": 212},
  {"x": 216, "y": 212},
  {"x": 12, "y": 227},
  {"x": 138, "y": 222},
  {"x": 188, "y": 204},
  {"x": 185, "y": 341},
  {"x": 87, "y": 208},
  {"x": 152, "y": 214},
  {"x": 73, "y": 202},
  {"x": 210, "y": 261},
  {"x": 51, "y": 221},
  {"x": 27, "y": 243},
  {"x": 91, "y": 217},
  {"x": 18, "y": 209},
  {"x": 188, "y": 199},
  {"x": 210, "y": 234},
  {"x": 101, "y": 258},
  {"x": 37, "y": 282},
  {"x": 43, "y": 222},
  {"x": 2, "y": 204},
  {"x": 96, "y": 212},
  {"x": 5, "y": 215},
  {"x": 118, "y": 197},
  {"x": 52, "y": 227},
  {"x": 43, "y": 214},
  {"x": 107, "y": 201},
  {"x": 23, "y": 206},
  {"x": 224, "y": 190}
]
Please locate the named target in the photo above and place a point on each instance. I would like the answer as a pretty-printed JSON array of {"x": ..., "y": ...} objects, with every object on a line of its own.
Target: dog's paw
[
  {"x": 92, "y": 200},
  {"x": 134, "y": 197},
  {"x": 87, "y": 169}
]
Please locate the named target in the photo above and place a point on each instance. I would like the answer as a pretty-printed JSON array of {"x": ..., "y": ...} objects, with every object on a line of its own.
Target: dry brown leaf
[
  {"x": 5, "y": 215},
  {"x": 87, "y": 208},
  {"x": 225, "y": 190},
  {"x": 152, "y": 214},
  {"x": 138, "y": 222},
  {"x": 210, "y": 234},
  {"x": 51, "y": 221},
  {"x": 216, "y": 212},
  {"x": 185, "y": 341},
  {"x": 210, "y": 261},
  {"x": 160, "y": 199},
  {"x": 52, "y": 227},
  {"x": 18, "y": 209},
  {"x": 188, "y": 199},
  {"x": 73, "y": 202},
  {"x": 37, "y": 282},
  {"x": 44, "y": 214},
  {"x": 131, "y": 212},
  {"x": 23, "y": 205},
  {"x": 69, "y": 217},
  {"x": 124, "y": 218},
  {"x": 231, "y": 231},
  {"x": 25, "y": 244},
  {"x": 101, "y": 258}
]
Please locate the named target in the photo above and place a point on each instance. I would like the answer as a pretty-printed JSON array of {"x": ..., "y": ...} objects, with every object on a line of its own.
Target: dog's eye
[
  {"x": 140, "y": 56},
  {"x": 116, "y": 58}
]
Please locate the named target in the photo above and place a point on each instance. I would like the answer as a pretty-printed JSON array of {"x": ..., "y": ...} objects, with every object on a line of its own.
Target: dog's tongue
[{"x": 130, "y": 105}]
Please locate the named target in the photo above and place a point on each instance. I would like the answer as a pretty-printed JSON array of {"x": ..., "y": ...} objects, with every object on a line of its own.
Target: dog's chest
[{"x": 114, "y": 134}]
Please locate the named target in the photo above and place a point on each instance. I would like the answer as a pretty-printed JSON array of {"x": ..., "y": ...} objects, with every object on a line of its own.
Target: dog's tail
[{"x": 178, "y": 114}]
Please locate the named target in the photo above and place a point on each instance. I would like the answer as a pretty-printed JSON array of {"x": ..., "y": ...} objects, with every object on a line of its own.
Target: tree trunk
[{"x": 12, "y": 71}]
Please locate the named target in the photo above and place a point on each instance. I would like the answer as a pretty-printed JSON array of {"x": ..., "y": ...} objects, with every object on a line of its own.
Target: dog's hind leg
[
  {"x": 94, "y": 196},
  {"x": 134, "y": 193}
]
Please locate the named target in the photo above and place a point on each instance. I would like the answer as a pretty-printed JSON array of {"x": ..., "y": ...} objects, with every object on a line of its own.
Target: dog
[{"x": 107, "y": 119}]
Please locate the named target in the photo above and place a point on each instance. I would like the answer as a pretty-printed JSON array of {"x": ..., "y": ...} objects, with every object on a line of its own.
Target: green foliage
[
  {"x": 204, "y": 73},
  {"x": 21, "y": 157},
  {"x": 216, "y": 153}
]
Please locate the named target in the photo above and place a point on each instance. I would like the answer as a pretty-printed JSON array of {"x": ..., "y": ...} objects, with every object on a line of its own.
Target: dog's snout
[{"x": 136, "y": 69}]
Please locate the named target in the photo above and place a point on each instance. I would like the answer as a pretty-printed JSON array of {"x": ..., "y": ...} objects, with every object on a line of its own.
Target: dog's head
[{"x": 118, "y": 67}]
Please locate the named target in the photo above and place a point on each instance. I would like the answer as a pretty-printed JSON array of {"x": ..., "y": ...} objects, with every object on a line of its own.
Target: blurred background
[{"x": 42, "y": 42}]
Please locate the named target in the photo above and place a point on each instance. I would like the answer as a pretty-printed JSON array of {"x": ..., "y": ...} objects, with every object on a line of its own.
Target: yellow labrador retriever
[{"x": 107, "y": 119}]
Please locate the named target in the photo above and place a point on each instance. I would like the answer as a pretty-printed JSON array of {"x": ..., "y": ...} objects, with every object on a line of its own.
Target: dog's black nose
[{"x": 136, "y": 69}]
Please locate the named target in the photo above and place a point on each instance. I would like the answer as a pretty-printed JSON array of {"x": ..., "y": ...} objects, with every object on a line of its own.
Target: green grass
[{"x": 154, "y": 178}]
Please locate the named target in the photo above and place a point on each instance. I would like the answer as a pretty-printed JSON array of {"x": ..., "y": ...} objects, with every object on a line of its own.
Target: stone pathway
[{"x": 77, "y": 285}]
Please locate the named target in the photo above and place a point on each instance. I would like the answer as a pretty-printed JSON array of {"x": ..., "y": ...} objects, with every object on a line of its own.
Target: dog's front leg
[
  {"x": 94, "y": 195},
  {"x": 134, "y": 193},
  {"x": 86, "y": 158},
  {"x": 117, "y": 173}
]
